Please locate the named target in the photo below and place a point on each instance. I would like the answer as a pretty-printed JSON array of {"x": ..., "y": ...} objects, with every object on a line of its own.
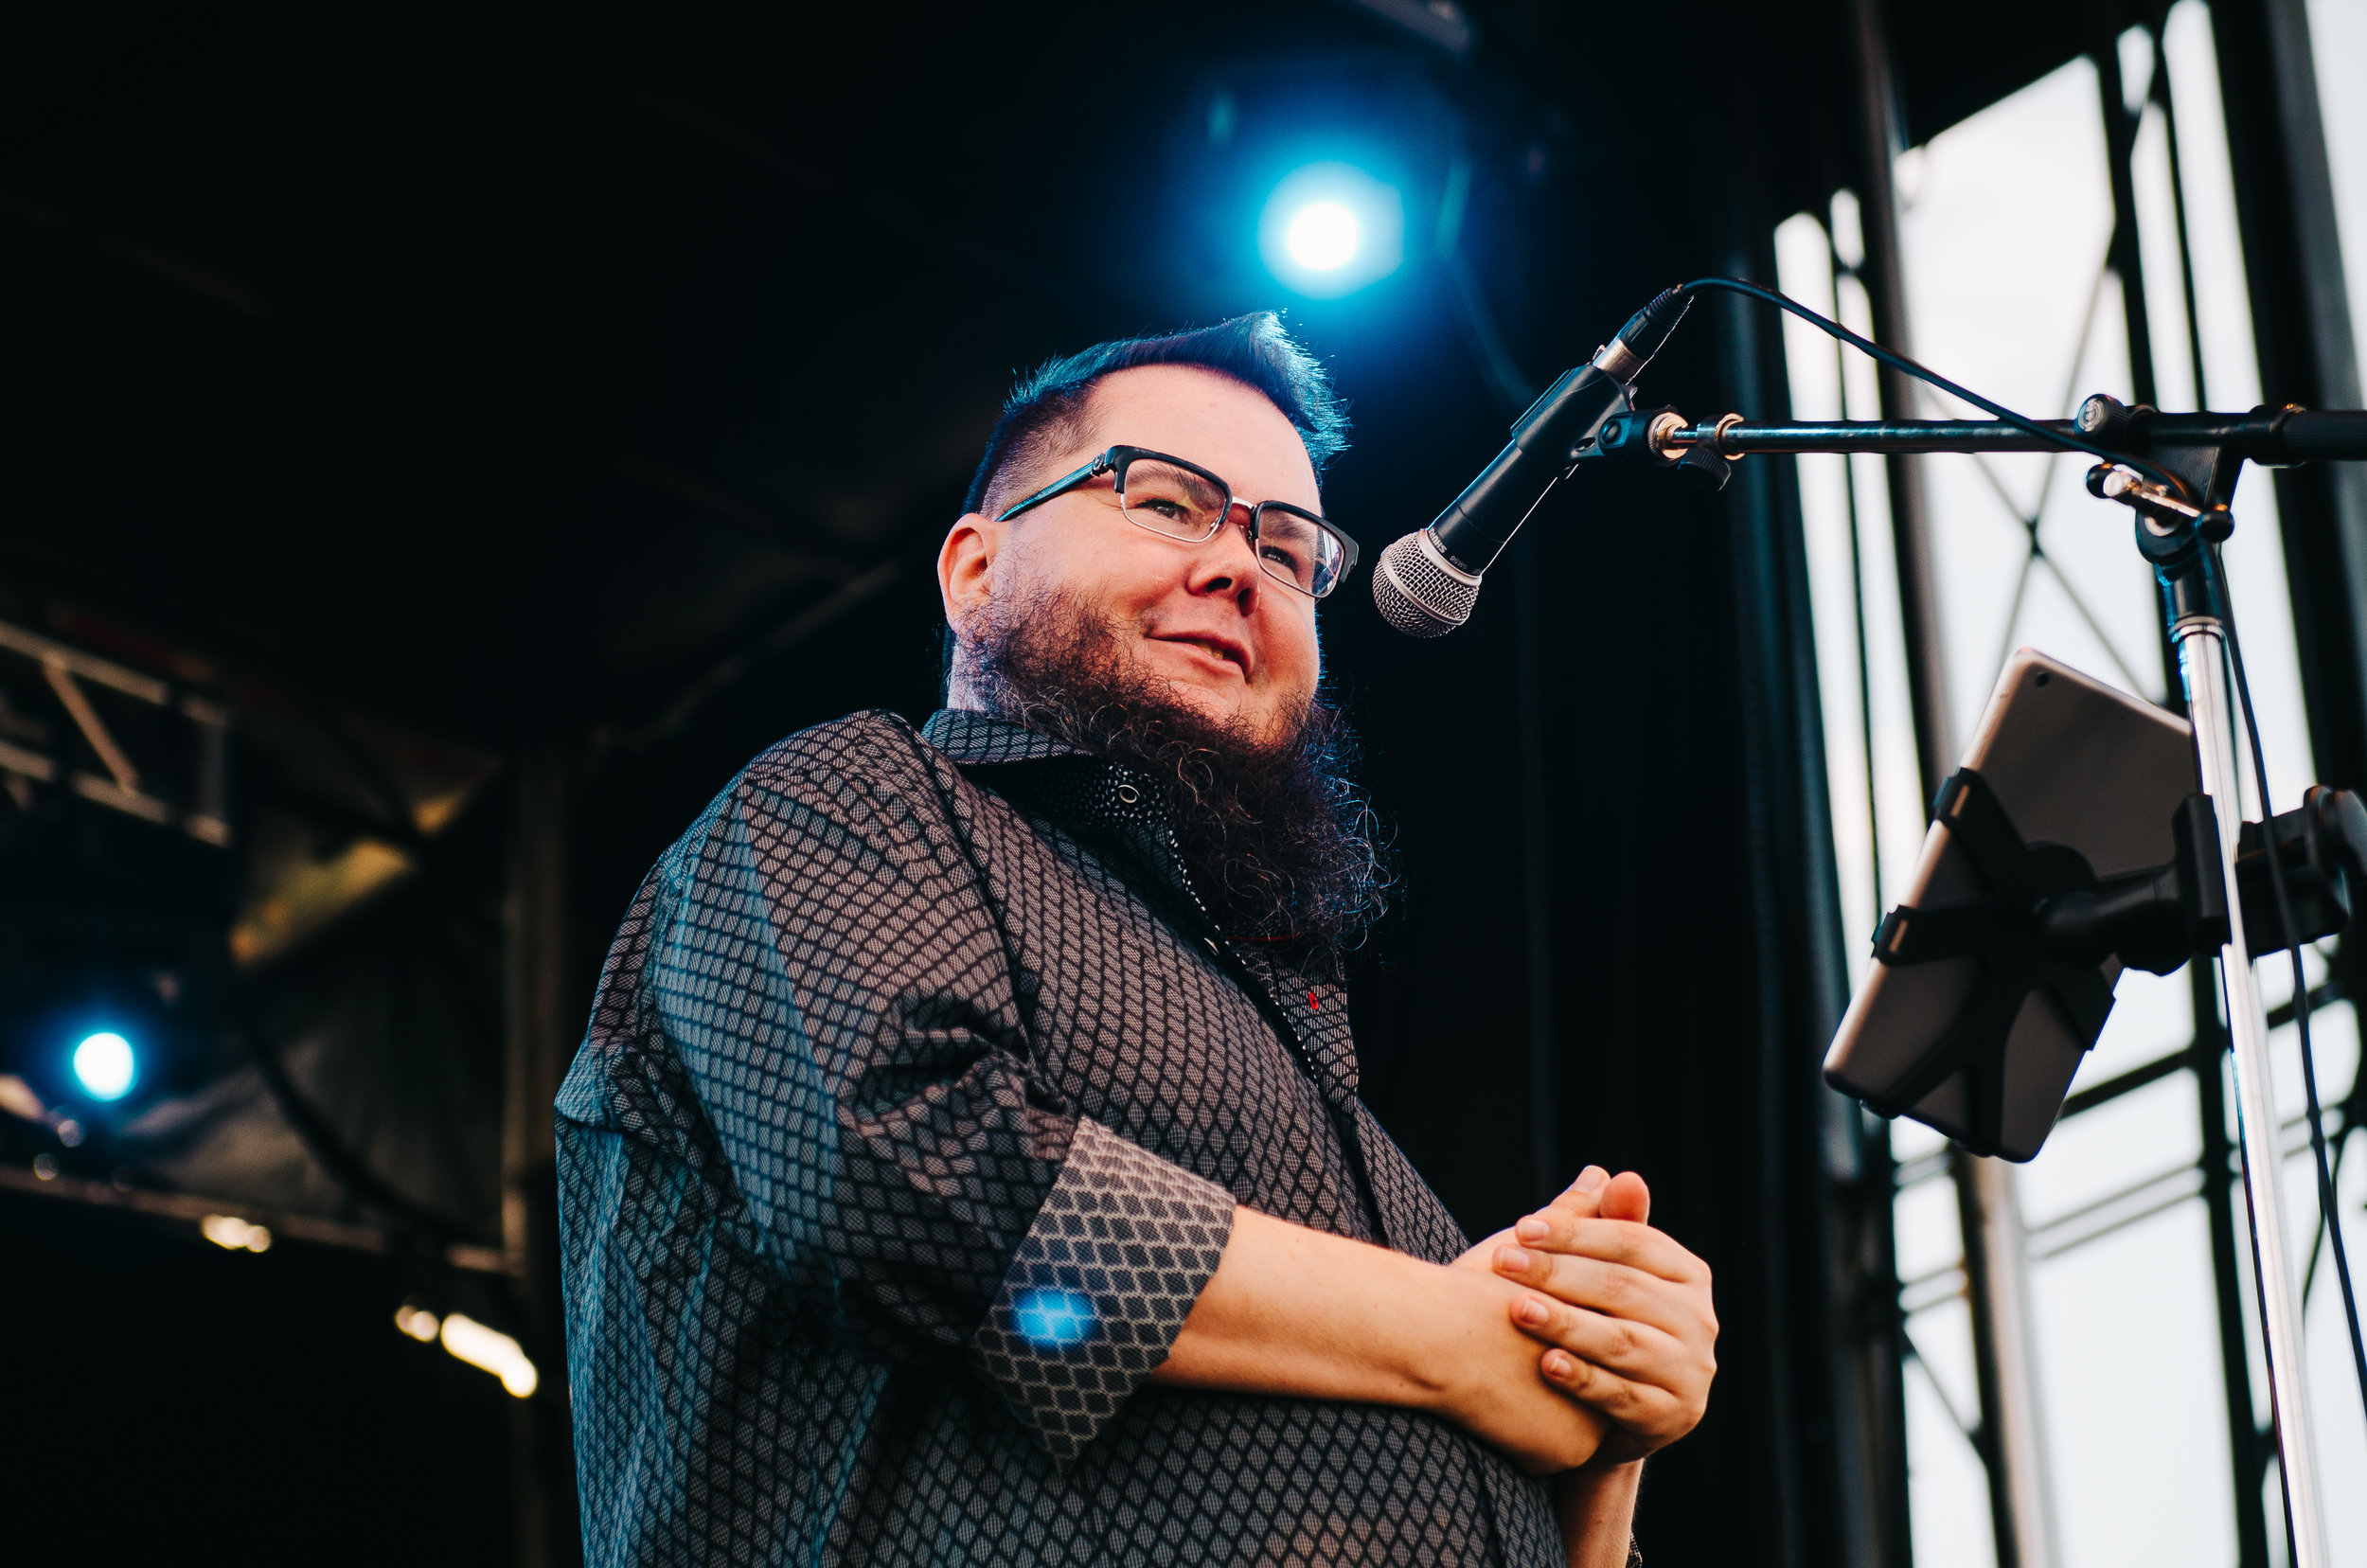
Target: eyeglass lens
[
  {"x": 1170, "y": 500},
  {"x": 1182, "y": 505},
  {"x": 1298, "y": 551}
]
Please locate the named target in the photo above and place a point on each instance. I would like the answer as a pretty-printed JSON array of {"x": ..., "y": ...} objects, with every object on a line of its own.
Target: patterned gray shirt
[{"x": 915, "y": 1102}]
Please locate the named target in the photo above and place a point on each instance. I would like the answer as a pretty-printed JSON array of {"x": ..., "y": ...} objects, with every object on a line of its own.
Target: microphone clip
[
  {"x": 1641, "y": 437},
  {"x": 1638, "y": 436}
]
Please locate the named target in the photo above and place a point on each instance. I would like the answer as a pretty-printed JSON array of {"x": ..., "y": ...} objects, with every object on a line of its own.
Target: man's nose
[{"x": 1227, "y": 564}]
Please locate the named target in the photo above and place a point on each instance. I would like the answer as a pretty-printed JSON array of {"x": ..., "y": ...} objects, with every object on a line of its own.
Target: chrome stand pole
[
  {"x": 2202, "y": 668},
  {"x": 1997, "y": 1272}
]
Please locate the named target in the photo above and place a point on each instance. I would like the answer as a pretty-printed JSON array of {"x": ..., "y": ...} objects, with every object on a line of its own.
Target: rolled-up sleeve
[
  {"x": 1099, "y": 1287},
  {"x": 841, "y": 995}
]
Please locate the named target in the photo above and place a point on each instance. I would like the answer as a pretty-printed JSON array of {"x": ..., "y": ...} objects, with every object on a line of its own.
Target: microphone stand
[{"x": 2180, "y": 540}]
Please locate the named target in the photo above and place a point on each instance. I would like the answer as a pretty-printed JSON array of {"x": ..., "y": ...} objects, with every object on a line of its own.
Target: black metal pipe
[
  {"x": 2291, "y": 437},
  {"x": 1866, "y": 435},
  {"x": 2327, "y": 433}
]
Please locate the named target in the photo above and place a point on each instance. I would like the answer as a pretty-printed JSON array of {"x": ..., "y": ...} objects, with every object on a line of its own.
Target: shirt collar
[
  {"x": 1075, "y": 787},
  {"x": 974, "y": 739}
]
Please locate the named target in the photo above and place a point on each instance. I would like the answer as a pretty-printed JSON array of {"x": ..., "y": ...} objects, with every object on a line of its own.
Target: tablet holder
[{"x": 2045, "y": 923}]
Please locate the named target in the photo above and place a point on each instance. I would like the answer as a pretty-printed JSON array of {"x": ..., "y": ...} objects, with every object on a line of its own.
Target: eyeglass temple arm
[{"x": 1065, "y": 483}]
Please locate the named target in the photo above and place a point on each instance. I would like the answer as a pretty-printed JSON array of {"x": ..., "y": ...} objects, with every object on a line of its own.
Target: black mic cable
[
  {"x": 2329, "y": 1207},
  {"x": 1902, "y": 364}
]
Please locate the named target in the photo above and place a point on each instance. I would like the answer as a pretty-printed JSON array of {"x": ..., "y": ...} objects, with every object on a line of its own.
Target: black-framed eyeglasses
[{"x": 1186, "y": 502}]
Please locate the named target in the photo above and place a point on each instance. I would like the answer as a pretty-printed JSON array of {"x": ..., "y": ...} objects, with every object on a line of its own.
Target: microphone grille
[{"x": 1420, "y": 592}]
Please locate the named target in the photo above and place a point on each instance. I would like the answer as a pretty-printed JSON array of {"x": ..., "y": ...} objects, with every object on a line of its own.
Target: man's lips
[{"x": 1219, "y": 648}]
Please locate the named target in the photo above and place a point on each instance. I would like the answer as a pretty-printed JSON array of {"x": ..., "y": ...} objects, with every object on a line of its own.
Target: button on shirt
[{"x": 916, "y": 1098}]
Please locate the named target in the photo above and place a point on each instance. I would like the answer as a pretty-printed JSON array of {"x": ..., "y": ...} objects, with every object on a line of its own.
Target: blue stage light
[
  {"x": 105, "y": 1065},
  {"x": 1331, "y": 228},
  {"x": 1323, "y": 236}
]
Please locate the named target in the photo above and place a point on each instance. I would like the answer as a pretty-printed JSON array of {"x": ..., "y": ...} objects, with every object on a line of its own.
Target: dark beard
[{"x": 1279, "y": 843}]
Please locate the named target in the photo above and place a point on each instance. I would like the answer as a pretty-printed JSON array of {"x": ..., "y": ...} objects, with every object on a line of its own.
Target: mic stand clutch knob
[{"x": 1705, "y": 469}]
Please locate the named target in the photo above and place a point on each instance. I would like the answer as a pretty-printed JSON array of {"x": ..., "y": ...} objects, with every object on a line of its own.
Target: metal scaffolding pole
[
  {"x": 2303, "y": 333},
  {"x": 1883, "y": 140},
  {"x": 1995, "y": 1266},
  {"x": 1997, "y": 1281}
]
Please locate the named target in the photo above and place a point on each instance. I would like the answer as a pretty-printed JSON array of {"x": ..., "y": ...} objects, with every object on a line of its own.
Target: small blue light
[
  {"x": 106, "y": 1066},
  {"x": 1331, "y": 228},
  {"x": 1052, "y": 1319}
]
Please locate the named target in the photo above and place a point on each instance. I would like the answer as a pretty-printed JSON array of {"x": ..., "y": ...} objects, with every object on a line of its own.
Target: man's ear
[{"x": 966, "y": 566}]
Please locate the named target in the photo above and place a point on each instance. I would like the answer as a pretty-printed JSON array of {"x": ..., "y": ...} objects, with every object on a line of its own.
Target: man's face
[{"x": 1225, "y": 638}]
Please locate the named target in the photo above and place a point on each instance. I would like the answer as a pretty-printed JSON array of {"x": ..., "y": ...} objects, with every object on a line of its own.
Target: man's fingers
[
  {"x": 1617, "y": 1290},
  {"x": 1582, "y": 1199},
  {"x": 1638, "y": 1406},
  {"x": 1631, "y": 1348},
  {"x": 1611, "y": 1241},
  {"x": 1598, "y": 1194},
  {"x": 1624, "y": 1312},
  {"x": 1654, "y": 1385}
]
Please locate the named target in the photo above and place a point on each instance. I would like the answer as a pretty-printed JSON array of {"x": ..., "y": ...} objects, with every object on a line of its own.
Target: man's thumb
[{"x": 1626, "y": 1198}]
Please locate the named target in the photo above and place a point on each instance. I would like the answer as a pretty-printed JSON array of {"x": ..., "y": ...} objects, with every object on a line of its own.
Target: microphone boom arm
[{"x": 2206, "y": 450}]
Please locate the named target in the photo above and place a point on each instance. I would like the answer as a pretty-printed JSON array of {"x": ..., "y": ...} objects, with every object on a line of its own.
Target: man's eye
[{"x": 1281, "y": 557}]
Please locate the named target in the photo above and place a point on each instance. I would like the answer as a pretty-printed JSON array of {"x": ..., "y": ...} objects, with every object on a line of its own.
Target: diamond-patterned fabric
[
  {"x": 1100, "y": 1284},
  {"x": 917, "y": 1097}
]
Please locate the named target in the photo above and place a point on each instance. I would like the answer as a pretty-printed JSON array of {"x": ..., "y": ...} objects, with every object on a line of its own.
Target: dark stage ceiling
[{"x": 507, "y": 367}]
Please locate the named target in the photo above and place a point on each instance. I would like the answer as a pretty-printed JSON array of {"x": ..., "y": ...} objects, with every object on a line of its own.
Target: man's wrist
[
  {"x": 1456, "y": 1356},
  {"x": 1305, "y": 1312},
  {"x": 1595, "y": 1505},
  {"x": 1431, "y": 1330}
]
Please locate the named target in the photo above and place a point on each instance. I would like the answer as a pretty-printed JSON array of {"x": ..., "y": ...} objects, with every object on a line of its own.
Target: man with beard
[{"x": 965, "y": 1163}]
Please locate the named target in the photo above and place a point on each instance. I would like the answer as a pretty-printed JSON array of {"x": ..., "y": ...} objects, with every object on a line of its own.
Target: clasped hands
[
  {"x": 1624, "y": 1313},
  {"x": 1581, "y": 1337}
]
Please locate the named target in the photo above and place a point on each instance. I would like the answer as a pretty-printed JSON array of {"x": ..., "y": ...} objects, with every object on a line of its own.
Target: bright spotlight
[
  {"x": 1331, "y": 229},
  {"x": 1324, "y": 236},
  {"x": 105, "y": 1067}
]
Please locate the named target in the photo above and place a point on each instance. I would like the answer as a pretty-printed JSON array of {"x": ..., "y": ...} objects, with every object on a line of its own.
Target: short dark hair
[{"x": 1045, "y": 412}]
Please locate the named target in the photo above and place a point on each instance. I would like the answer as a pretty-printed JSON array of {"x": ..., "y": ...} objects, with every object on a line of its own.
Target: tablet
[{"x": 2075, "y": 762}]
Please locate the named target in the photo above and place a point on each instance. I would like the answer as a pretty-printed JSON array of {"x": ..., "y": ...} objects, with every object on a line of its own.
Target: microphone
[{"x": 1426, "y": 584}]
